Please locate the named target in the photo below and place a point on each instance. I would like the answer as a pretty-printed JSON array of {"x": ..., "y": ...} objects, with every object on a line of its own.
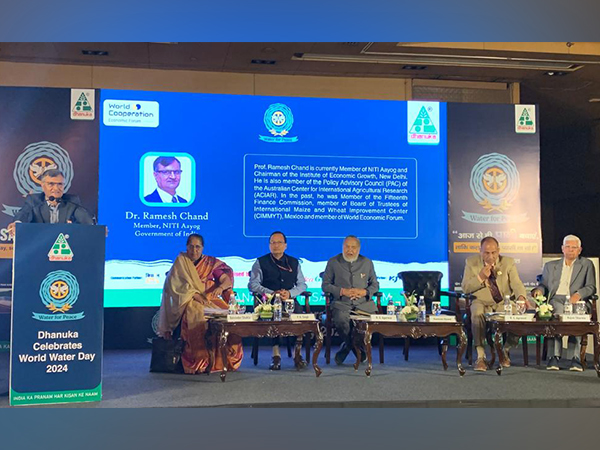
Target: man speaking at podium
[{"x": 52, "y": 205}]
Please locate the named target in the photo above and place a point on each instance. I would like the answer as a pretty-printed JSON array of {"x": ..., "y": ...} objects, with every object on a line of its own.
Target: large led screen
[{"x": 236, "y": 168}]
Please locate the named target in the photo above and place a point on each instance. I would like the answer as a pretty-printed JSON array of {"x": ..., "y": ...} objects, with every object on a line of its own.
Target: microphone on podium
[{"x": 72, "y": 219}]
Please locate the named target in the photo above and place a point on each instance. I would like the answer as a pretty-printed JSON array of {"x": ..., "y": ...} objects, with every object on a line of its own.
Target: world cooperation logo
[
  {"x": 59, "y": 292},
  {"x": 495, "y": 184},
  {"x": 278, "y": 119}
]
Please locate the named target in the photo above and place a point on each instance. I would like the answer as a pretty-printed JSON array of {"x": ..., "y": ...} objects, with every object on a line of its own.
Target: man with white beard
[{"x": 350, "y": 278}]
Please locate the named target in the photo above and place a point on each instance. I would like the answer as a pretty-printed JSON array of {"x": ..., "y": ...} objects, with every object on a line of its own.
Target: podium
[{"x": 57, "y": 314}]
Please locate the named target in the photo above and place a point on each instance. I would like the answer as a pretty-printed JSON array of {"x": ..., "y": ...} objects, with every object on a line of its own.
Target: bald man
[{"x": 490, "y": 276}]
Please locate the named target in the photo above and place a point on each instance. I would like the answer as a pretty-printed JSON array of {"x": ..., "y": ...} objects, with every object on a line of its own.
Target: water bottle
[
  {"x": 277, "y": 308},
  {"x": 568, "y": 305},
  {"x": 233, "y": 306},
  {"x": 422, "y": 315},
  {"x": 391, "y": 307},
  {"x": 507, "y": 305}
]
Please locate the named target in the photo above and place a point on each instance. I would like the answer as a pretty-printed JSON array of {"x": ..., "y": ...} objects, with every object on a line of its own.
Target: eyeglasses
[
  {"x": 175, "y": 173},
  {"x": 276, "y": 242},
  {"x": 53, "y": 184},
  {"x": 571, "y": 247},
  {"x": 194, "y": 246}
]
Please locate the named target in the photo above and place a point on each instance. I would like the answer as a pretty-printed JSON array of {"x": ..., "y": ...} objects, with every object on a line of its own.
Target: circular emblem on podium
[{"x": 59, "y": 291}]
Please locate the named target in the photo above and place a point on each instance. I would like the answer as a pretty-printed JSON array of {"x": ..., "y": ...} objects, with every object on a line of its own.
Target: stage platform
[{"x": 419, "y": 382}]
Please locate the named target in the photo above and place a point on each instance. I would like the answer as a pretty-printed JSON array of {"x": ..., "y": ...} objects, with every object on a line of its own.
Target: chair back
[{"x": 425, "y": 283}]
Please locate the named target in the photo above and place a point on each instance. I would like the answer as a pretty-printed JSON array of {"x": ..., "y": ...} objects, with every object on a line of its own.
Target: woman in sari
[{"x": 196, "y": 282}]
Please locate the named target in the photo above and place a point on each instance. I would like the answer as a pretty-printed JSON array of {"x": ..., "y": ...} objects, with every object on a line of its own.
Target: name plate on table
[
  {"x": 242, "y": 317},
  {"x": 575, "y": 317},
  {"x": 518, "y": 317},
  {"x": 442, "y": 318},
  {"x": 384, "y": 318},
  {"x": 300, "y": 317}
]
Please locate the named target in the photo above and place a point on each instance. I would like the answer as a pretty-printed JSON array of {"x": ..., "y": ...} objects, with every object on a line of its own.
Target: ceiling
[{"x": 566, "y": 96}]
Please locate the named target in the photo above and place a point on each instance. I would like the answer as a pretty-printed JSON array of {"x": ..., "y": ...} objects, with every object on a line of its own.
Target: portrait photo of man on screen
[{"x": 172, "y": 179}]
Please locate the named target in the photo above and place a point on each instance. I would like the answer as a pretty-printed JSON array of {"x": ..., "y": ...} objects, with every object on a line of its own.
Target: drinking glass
[
  {"x": 241, "y": 308},
  {"x": 436, "y": 308},
  {"x": 521, "y": 306},
  {"x": 568, "y": 308},
  {"x": 580, "y": 308},
  {"x": 289, "y": 306}
]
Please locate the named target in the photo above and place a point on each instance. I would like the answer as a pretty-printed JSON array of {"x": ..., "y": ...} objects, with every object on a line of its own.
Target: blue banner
[{"x": 57, "y": 314}]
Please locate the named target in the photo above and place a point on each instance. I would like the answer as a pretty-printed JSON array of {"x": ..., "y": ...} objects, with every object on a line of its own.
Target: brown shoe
[
  {"x": 505, "y": 359},
  {"x": 480, "y": 365}
]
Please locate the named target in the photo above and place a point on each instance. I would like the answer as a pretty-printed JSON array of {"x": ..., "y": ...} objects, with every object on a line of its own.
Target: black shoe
[
  {"x": 576, "y": 365},
  {"x": 553, "y": 364},
  {"x": 341, "y": 355},
  {"x": 275, "y": 363}
]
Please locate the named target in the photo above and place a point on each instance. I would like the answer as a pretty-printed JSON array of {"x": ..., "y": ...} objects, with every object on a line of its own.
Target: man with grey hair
[
  {"x": 52, "y": 205},
  {"x": 573, "y": 276},
  {"x": 350, "y": 278}
]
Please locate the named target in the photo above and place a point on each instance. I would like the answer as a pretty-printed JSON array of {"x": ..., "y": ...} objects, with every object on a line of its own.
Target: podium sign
[{"x": 57, "y": 314}]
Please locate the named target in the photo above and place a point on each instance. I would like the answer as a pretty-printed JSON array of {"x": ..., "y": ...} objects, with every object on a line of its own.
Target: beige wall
[{"x": 97, "y": 77}]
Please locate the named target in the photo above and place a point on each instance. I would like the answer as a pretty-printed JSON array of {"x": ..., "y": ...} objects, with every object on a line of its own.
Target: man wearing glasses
[
  {"x": 167, "y": 173},
  {"x": 571, "y": 277},
  {"x": 52, "y": 205},
  {"x": 277, "y": 273}
]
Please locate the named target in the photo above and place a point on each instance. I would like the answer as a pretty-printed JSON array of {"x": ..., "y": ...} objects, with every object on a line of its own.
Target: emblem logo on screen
[
  {"x": 495, "y": 184},
  {"x": 61, "y": 251},
  {"x": 423, "y": 123},
  {"x": 36, "y": 158},
  {"x": 278, "y": 120},
  {"x": 59, "y": 292}
]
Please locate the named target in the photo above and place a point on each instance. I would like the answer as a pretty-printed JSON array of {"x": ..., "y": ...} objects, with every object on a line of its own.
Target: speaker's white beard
[{"x": 348, "y": 259}]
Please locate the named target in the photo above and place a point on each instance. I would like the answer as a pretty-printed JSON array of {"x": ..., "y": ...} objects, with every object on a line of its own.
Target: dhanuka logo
[
  {"x": 83, "y": 104},
  {"x": 61, "y": 251},
  {"x": 59, "y": 292},
  {"x": 495, "y": 185},
  {"x": 525, "y": 119},
  {"x": 36, "y": 158},
  {"x": 423, "y": 123},
  {"x": 279, "y": 120}
]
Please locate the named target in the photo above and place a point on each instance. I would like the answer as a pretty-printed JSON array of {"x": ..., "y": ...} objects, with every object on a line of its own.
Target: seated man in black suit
[
  {"x": 167, "y": 173},
  {"x": 52, "y": 205}
]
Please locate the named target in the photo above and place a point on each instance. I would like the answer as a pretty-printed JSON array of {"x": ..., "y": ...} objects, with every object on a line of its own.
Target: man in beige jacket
[{"x": 489, "y": 277}]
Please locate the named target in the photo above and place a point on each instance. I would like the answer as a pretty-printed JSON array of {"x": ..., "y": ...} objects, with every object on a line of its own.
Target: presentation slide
[{"x": 236, "y": 168}]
